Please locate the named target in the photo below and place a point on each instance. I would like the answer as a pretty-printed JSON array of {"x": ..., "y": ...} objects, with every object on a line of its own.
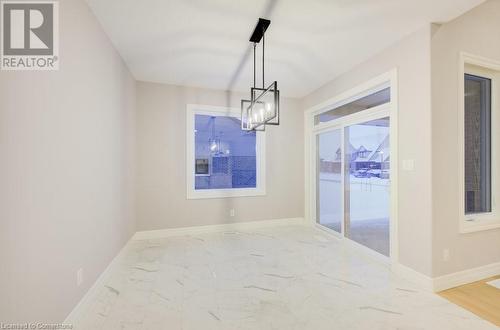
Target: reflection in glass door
[
  {"x": 367, "y": 184},
  {"x": 329, "y": 178}
]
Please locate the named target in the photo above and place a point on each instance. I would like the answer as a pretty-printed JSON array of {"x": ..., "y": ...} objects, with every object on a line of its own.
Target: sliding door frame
[
  {"x": 312, "y": 131},
  {"x": 335, "y": 125}
]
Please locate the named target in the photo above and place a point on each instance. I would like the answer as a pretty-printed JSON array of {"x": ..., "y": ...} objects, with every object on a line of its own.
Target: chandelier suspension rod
[
  {"x": 254, "y": 45},
  {"x": 263, "y": 51}
]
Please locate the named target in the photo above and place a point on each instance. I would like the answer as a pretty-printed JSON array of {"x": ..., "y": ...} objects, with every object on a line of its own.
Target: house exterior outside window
[{"x": 222, "y": 160}]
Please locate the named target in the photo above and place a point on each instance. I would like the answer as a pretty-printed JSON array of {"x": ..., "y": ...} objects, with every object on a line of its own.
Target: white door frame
[
  {"x": 388, "y": 79},
  {"x": 335, "y": 125}
]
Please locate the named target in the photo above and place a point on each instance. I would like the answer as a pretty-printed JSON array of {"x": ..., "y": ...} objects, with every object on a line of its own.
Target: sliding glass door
[
  {"x": 329, "y": 178},
  {"x": 353, "y": 181},
  {"x": 367, "y": 185}
]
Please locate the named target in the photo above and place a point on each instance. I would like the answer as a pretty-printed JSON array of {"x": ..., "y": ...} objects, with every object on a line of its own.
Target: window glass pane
[
  {"x": 329, "y": 180},
  {"x": 477, "y": 144},
  {"x": 367, "y": 184},
  {"x": 225, "y": 156},
  {"x": 370, "y": 101}
]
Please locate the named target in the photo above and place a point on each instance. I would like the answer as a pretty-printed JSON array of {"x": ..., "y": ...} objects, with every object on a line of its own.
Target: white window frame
[
  {"x": 191, "y": 192},
  {"x": 490, "y": 220}
]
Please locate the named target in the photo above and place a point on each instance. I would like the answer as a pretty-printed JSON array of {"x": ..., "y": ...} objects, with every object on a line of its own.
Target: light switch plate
[{"x": 408, "y": 165}]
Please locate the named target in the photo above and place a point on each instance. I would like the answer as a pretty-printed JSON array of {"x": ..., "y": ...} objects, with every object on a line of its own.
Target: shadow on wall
[{"x": 266, "y": 13}]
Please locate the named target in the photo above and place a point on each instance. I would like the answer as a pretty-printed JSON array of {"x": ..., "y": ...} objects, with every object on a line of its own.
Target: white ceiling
[{"x": 204, "y": 43}]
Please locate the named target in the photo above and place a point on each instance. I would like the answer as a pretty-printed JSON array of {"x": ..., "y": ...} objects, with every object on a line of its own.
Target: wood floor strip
[{"x": 478, "y": 297}]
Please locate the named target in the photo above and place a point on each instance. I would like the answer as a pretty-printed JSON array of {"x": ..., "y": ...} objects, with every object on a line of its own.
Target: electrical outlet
[
  {"x": 446, "y": 255},
  {"x": 79, "y": 277},
  {"x": 231, "y": 213}
]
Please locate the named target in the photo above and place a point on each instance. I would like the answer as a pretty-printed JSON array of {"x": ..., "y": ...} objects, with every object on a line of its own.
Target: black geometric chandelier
[{"x": 263, "y": 108}]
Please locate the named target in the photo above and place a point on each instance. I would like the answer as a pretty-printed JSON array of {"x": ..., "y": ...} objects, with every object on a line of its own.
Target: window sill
[
  {"x": 225, "y": 193},
  {"x": 476, "y": 226}
]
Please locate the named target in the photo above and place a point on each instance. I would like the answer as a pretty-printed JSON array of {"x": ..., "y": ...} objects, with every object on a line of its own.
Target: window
[
  {"x": 223, "y": 160},
  {"x": 478, "y": 167},
  {"x": 477, "y": 139},
  {"x": 372, "y": 100}
]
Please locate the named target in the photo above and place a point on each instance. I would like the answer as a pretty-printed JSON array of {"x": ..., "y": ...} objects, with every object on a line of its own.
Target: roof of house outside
[{"x": 372, "y": 156}]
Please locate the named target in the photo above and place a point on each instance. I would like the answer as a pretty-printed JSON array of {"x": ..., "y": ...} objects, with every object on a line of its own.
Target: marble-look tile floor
[{"x": 289, "y": 278}]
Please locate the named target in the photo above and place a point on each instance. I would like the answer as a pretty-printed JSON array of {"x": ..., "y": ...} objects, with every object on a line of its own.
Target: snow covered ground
[
  {"x": 369, "y": 198},
  {"x": 368, "y": 213}
]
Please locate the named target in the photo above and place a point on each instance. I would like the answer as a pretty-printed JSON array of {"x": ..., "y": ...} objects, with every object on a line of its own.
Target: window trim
[
  {"x": 191, "y": 192},
  {"x": 345, "y": 99},
  {"x": 469, "y": 223},
  {"x": 310, "y": 130}
]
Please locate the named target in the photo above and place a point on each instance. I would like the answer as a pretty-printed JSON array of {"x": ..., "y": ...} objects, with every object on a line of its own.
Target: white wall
[
  {"x": 161, "y": 168},
  {"x": 411, "y": 56},
  {"x": 477, "y": 32},
  {"x": 66, "y": 171}
]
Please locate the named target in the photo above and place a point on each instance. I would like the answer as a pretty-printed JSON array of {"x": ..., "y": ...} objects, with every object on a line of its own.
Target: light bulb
[{"x": 268, "y": 107}]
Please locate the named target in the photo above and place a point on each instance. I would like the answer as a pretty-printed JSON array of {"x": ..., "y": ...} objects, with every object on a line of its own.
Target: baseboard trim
[
  {"x": 162, "y": 233},
  {"x": 409, "y": 274},
  {"x": 449, "y": 281},
  {"x": 466, "y": 276},
  {"x": 92, "y": 293}
]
